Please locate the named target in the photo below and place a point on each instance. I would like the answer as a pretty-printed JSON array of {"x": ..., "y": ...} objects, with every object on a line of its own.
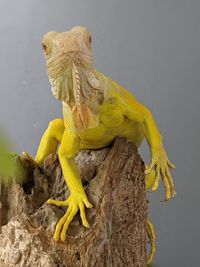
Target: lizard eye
[
  {"x": 44, "y": 47},
  {"x": 90, "y": 39}
]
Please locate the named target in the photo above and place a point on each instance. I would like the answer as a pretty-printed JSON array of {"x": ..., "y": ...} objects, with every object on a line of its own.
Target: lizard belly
[{"x": 101, "y": 136}]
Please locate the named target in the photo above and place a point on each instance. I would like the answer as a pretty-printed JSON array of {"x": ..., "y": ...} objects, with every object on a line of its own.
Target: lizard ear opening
[{"x": 93, "y": 79}]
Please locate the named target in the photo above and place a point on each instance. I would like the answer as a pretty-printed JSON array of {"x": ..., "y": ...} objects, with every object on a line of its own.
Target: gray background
[{"x": 151, "y": 47}]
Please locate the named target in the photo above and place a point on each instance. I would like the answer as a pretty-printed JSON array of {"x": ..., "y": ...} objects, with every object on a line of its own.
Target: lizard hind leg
[
  {"x": 149, "y": 182},
  {"x": 151, "y": 236}
]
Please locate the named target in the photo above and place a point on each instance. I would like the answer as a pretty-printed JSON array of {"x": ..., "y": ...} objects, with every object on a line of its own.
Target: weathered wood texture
[{"x": 114, "y": 182}]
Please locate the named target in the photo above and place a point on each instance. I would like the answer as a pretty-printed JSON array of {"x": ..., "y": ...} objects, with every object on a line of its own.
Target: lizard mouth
[
  {"x": 78, "y": 52},
  {"x": 78, "y": 57}
]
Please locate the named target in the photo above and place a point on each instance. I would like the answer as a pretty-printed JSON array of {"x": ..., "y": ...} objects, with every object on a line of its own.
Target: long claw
[
  {"x": 171, "y": 165},
  {"x": 87, "y": 203},
  {"x": 29, "y": 158}
]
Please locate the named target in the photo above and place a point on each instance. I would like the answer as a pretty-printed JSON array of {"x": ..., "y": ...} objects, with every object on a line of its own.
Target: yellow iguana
[{"x": 95, "y": 110}]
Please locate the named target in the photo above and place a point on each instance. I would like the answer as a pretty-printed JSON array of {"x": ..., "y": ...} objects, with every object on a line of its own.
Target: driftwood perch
[{"x": 113, "y": 178}]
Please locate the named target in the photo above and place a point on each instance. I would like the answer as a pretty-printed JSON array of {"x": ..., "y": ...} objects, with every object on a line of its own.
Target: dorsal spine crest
[{"x": 78, "y": 84}]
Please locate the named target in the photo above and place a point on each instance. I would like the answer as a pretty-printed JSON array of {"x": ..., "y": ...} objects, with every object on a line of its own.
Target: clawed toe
[
  {"x": 57, "y": 202},
  {"x": 27, "y": 157}
]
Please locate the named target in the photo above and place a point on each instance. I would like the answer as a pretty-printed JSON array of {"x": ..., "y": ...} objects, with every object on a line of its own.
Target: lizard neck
[{"x": 86, "y": 92}]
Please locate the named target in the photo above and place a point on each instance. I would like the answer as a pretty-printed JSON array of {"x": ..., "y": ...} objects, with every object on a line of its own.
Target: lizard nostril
[{"x": 61, "y": 44}]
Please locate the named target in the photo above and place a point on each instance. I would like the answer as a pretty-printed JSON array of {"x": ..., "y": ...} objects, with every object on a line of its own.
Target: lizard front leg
[
  {"x": 77, "y": 200},
  {"x": 48, "y": 143},
  {"x": 50, "y": 140},
  {"x": 159, "y": 159}
]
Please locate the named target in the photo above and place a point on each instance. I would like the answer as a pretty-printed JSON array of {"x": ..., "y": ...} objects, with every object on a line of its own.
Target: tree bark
[{"x": 113, "y": 178}]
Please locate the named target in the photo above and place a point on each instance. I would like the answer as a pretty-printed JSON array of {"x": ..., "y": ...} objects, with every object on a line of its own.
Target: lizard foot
[
  {"x": 74, "y": 202},
  {"x": 151, "y": 236},
  {"x": 161, "y": 165}
]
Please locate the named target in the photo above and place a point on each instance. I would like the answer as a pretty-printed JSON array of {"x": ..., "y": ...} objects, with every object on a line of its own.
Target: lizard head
[
  {"x": 62, "y": 46},
  {"x": 65, "y": 52},
  {"x": 72, "y": 75}
]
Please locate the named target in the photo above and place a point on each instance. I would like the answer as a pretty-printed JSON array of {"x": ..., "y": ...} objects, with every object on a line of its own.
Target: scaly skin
[{"x": 95, "y": 110}]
